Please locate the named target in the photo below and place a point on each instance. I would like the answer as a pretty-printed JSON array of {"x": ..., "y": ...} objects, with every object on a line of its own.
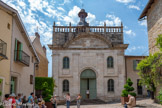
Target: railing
[
  {"x": 3, "y": 48},
  {"x": 100, "y": 29},
  {"x": 22, "y": 57}
]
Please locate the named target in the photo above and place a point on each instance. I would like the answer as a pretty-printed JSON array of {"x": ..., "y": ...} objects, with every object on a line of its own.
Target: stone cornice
[
  {"x": 120, "y": 46},
  {"x": 65, "y": 76}
]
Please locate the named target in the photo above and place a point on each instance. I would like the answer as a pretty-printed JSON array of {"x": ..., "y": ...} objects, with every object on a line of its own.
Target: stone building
[
  {"x": 153, "y": 14},
  {"x": 18, "y": 70},
  {"x": 42, "y": 67},
  {"x": 88, "y": 59},
  {"x": 131, "y": 72}
]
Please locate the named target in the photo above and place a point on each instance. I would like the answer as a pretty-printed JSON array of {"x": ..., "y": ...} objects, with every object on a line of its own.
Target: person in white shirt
[
  {"x": 68, "y": 100},
  {"x": 6, "y": 102}
]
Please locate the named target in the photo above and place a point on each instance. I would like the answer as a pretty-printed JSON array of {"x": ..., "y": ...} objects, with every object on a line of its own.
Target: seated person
[{"x": 132, "y": 102}]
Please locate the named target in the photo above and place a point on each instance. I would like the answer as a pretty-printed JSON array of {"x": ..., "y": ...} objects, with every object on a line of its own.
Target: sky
[{"x": 39, "y": 16}]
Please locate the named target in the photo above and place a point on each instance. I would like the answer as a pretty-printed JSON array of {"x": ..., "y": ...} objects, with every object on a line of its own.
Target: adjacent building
[
  {"x": 132, "y": 73},
  {"x": 153, "y": 14},
  {"x": 5, "y": 50},
  {"x": 18, "y": 70},
  {"x": 42, "y": 67}
]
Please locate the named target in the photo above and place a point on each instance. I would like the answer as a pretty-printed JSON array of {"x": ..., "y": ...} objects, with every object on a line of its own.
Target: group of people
[
  {"x": 20, "y": 101},
  {"x": 68, "y": 99}
]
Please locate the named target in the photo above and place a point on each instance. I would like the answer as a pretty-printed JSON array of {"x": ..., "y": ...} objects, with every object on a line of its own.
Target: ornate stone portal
[{"x": 94, "y": 50}]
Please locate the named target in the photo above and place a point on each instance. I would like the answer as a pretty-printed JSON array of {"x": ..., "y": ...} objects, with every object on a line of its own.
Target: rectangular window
[
  {"x": 13, "y": 85},
  {"x": 32, "y": 59},
  {"x": 31, "y": 79},
  {"x": 139, "y": 88},
  {"x": 135, "y": 63}
]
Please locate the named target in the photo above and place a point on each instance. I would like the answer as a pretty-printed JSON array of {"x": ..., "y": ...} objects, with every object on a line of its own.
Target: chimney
[
  {"x": 37, "y": 35},
  {"x": 44, "y": 49}
]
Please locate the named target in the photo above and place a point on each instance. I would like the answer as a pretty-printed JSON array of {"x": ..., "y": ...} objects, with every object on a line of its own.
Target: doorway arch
[{"x": 88, "y": 83}]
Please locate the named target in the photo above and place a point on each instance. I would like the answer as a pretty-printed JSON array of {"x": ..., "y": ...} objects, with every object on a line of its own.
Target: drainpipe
[{"x": 36, "y": 63}]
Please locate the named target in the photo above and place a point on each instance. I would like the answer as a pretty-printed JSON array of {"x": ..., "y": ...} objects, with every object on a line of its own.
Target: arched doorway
[{"x": 88, "y": 83}]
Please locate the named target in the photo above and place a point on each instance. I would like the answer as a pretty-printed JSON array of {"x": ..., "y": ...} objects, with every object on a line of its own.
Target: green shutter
[
  {"x": 134, "y": 65},
  {"x": 20, "y": 51},
  {"x": 15, "y": 49}
]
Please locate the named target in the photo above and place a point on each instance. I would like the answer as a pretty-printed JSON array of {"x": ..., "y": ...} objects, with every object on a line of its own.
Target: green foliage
[
  {"x": 149, "y": 68},
  {"x": 159, "y": 97},
  {"x": 46, "y": 92},
  {"x": 128, "y": 89},
  {"x": 159, "y": 42},
  {"x": 46, "y": 85}
]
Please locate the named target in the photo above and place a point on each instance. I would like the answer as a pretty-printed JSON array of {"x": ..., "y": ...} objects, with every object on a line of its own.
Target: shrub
[
  {"x": 46, "y": 85},
  {"x": 159, "y": 97},
  {"x": 128, "y": 89},
  {"x": 46, "y": 92}
]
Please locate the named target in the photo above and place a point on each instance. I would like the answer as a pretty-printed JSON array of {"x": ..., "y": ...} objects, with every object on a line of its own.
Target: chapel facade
[{"x": 88, "y": 59}]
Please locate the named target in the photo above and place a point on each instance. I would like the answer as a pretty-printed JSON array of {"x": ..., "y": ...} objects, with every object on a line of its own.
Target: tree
[
  {"x": 150, "y": 68},
  {"x": 159, "y": 42},
  {"x": 46, "y": 92},
  {"x": 128, "y": 89}
]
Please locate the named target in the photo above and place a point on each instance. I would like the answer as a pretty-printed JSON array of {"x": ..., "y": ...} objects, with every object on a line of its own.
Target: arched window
[
  {"x": 110, "y": 85},
  {"x": 65, "y": 63},
  {"x": 65, "y": 86},
  {"x": 110, "y": 62}
]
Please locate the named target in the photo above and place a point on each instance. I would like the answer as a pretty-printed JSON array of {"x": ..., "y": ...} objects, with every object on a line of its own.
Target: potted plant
[
  {"x": 46, "y": 95},
  {"x": 128, "y": 89}
]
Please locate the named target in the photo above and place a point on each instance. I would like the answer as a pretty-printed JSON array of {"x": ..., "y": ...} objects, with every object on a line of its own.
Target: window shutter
[
  {"x": 134, "y": 65},
  {"x": 31, "y": 79},
  {"x": 15, "y": 50},
  {"x": 20, "y": 51}
]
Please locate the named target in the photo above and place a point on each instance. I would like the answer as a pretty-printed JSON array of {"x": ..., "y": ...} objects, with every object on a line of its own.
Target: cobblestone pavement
[{"x": 142, "y": 103}]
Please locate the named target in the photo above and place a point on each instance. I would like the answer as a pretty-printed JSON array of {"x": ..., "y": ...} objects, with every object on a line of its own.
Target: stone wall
[
  {"x": 89, "y": 59},
  {"x": 154, "y": 22},
  {"x": 42, "y": 69},
  {"x": 59, "y": 38}
]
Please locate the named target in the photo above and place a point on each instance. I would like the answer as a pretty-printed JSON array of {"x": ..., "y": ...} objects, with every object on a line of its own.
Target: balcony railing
[
  {"x": 98, "y": 29},
  {"x": 22, "y": 57},
  {"x": 3, "y": 49}
]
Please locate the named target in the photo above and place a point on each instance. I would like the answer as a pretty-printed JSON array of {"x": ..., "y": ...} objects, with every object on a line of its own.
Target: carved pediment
[{"x": 89, "y": 41}]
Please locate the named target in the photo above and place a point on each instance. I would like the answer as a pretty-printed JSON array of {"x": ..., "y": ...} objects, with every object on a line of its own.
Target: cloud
[
  {"x": 66, "y": 2},
  {"x": 134, "y": 48},
  {"x": 74, "y": 19},
  {"x": 130, "y": 33},
  {"x": 133, "y": 7},
  {"x": 143, "y": 23},
  {"x": 91, "y": 19},
  {"x": 125, "y": 1},
  {"x": 60, "y": 8},
  {"x": 72, "y": 16},
  {"x": 112, "y": 20}
]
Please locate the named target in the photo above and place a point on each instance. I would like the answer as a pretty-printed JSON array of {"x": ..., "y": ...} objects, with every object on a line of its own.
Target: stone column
[
  {"x": 55, "y": 72},
  {"x": 75, "y": 73}
]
